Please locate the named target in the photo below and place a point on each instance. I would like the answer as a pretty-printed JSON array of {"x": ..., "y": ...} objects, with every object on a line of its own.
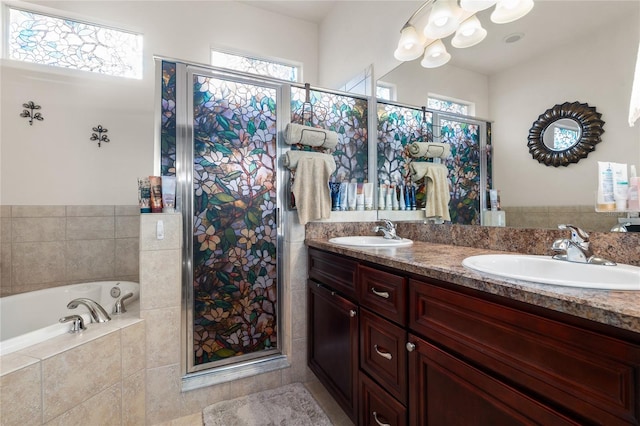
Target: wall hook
[
  {"x": 99, "y": 135},
  {"x": 29, "y": 113}
]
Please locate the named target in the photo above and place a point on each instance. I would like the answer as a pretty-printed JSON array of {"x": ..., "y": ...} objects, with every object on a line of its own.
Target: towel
[
  {"x": 291, "y": 158},
  {"x": 311, "y": 136},
  {"x": 418, "y": 169},
  {"x": 438, "y": 195},
  {"x": 430, "y": 149},
  {"x": 311, "y": 188},
  {"x": 634, "y": 104}
]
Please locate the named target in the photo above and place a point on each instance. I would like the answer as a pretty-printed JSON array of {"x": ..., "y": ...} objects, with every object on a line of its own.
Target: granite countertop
[{"x": 444, "y": 262}]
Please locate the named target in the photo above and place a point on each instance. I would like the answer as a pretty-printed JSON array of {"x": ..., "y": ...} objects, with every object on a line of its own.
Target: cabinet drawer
[
  {"x": 590, "y": 374},
  {"x": 334, "y": 271},
  {"x": 377, "y": 407},
  {"x": 383, "y": 293},
  {"x": 382, "y": 353}
]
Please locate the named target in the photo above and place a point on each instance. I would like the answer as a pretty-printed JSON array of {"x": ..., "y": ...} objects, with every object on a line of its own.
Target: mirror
[
  {"x": 511, "y": 83},
  {"x": 565, "y": 133}
]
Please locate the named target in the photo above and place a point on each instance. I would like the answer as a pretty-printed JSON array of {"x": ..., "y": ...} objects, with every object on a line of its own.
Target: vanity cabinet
[{"x": 428, "y": 352}]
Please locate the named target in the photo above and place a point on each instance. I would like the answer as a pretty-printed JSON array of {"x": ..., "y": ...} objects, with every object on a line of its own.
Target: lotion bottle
[{"x": 634, "y": 190}]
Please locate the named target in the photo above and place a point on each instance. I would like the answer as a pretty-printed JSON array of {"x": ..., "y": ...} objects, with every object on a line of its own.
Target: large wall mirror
[
  {"x": 525, "y": 68},
  {"x": 565, "y": 133}
]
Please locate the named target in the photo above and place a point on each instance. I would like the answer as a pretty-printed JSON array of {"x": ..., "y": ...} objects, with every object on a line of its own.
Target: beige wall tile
[
  {"x": 37, "y": 211},
  {"x": 163, "y": 336},
  {"x": 195, "y": 401},
  {"x": 298, "y": 313},
  {"x": 163, "y": 394},
  {"x": 248, "y": 385},
  {"x": 37, "y": 229},
  {"x": 90, "y": 259},
  {"x": 5, "y": 230},
  {"x": 134, "y": 399},
  {"x": 20, "y": 397},
  {"x": 90, "y": 228},
  {"x": 297, "y": 255},
  {"x": 90, "y": 210},
  {"x": 34, "y": 263},
  {"x": 298, "y": 372},
  {"x": 5, "y": 268},
  {"x": 133, "y": 348},
  {"x": 132, "y": 210},
  {"x": 5, "y": 211},
  {"x": 15, "y": 361},
  {"x": 172, "y": 231},
  {"x": 102, "y": 409},
  {"x": 128, "y": 226},
  {"x": 126, "y": 256},
  {"x": 160, "y": 279},
  {"x": 76, "y": 375}
]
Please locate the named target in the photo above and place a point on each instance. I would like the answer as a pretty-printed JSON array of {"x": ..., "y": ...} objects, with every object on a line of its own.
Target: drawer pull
[
  {"x": 375, "y": 417},
  {"x": 352, "y": 313},
  {"x": 385, "y": 355},
  {"x": 384, "y": 294}
]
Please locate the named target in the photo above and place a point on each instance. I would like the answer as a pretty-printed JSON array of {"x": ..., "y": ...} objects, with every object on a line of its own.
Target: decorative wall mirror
[{"x": 565, "y": 133}]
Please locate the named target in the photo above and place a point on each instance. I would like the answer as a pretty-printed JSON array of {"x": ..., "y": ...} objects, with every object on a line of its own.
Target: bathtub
[{"x": 30, "y": 318}]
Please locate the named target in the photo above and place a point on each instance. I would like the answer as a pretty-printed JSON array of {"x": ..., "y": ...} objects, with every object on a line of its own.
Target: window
[
  {"x": 447, "y": 105},
  {"x": 564, "y": 137},
  {"x": 251, "y": 65},
  {"x": 62, "y": 42},
  {"x": 386, "y": 91}
]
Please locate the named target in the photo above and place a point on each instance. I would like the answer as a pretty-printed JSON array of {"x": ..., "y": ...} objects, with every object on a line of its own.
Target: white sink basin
[
  {"x": 545, "y": 270},
  {"x": 370, "y": 241}
]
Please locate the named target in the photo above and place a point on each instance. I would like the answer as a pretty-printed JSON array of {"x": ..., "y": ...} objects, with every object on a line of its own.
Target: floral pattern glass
[
  {"x": 168, "y": 120},
  {"x": 234, "y": 235},
  {"x": 345, "y": 115}
]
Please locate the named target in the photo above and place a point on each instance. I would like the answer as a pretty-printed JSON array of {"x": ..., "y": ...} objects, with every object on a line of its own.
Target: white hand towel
[
  {"x": 418, "y": 169},
  {"x": 430, "y": 149},
  {"x": 311, "y": 188},
  {"x": 310, "y": 136},
  {"x": 292, "y": 157},
  {"x": 438, "y": 196}
]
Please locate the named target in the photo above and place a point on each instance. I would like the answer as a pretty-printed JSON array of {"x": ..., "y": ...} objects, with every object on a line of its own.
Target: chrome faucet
[
  {"x": 389, "y": 230},
  {"x": 576, "y": 249},
  {"x": 97, "y": 312},
  {"x": 119, "y": 308}
]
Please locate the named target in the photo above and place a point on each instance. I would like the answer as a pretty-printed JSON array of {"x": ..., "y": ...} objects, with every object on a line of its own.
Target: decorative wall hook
[
  {"x": 99, "y": 135},
  {"x": 29, "y": 113}
]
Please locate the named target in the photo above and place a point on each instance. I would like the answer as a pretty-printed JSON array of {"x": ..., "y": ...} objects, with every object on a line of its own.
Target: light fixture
[
  {"x": 469, "y": 33},
  {"x": 443, "y": 18},
  {"x": 435, "y": 55},
  {"x": 510, "y": 10}
]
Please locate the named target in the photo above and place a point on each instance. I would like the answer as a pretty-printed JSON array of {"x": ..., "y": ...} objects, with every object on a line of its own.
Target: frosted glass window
[
  {"x": 448, "y": 106},
  {"x": 62, "y": 42},
  {"x": 255, "y": 66}
]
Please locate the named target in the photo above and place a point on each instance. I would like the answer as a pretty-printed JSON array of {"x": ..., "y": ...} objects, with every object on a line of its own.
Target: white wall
[
  {"x": 53, "y": 161},
  {"x": 597, "y": 70}
]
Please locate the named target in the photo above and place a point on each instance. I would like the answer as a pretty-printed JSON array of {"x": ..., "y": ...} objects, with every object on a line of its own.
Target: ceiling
[{"x": 550, "y": 24}]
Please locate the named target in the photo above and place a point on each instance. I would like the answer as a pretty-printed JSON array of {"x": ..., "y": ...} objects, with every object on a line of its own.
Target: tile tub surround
[
  {"x": 78, "y": 379},
  {"x": 619, "y": 247},
  {"x": 548, "y": 217},
  {"x": 50, "y": 246},
  {"x": 443, "y": 261}
]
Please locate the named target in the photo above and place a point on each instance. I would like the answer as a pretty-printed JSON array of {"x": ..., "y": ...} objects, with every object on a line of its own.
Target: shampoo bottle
[{"x": 634, "y": 190}]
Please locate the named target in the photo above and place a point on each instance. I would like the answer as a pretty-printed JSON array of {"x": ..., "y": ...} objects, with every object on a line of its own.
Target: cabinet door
[
  {"x": 377, "y": 407},
  {"x": 333, "y": 344},
  {"x": 444, "y": 390}
]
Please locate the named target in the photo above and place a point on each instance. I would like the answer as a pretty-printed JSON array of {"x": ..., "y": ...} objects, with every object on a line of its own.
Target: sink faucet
[
  {"x": 576, "y": 249},
  {"x": 389, "y": 230},
  {"x": 97, "y": 312}
]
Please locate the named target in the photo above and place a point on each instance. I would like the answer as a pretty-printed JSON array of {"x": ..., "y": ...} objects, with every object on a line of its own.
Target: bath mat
[{"x": 290, "y": 405}]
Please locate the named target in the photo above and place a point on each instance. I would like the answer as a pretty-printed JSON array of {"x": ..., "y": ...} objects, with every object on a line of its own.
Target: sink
[
  {"x": 370, "y": 241},
  {"x": 545, "y": 270}
]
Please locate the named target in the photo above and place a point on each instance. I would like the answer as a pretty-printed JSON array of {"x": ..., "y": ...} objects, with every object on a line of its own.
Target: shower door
[{"x": 232, "y": 250}]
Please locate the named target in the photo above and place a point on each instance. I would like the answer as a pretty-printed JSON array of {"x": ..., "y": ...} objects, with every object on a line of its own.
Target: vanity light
[
  {"x": 443, "y": 18},
  {"x": 469, "y": 33},
  {"x": 435, "y": 55},
  {"x": 510, "y": 10}
]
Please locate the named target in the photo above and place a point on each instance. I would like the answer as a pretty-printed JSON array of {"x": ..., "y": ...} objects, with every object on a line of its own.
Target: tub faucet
[
  {"x": 576, "y": 249},
  {"x": 389, "y": 230},
  {"x": 119, "y": 308},
  {"x": 97, "y": 312}
]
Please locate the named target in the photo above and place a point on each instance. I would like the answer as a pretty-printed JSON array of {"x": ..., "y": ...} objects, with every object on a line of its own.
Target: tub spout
[
  {"x": 97, "y": 312},
  {"x": 119, "y": 308}
]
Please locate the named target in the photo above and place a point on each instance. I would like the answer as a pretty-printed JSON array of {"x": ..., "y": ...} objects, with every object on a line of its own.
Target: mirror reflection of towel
[
  {"x": 438, "y": 195},
  {"x": 310, "y": 136},
  {"x": 291, "y": 158},
  {"x": 430, "y": 149},
  {"x": 311, "y": 188}
]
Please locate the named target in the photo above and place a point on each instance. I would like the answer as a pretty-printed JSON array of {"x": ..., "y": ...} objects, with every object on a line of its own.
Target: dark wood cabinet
[{"x": 427, "y": 352}]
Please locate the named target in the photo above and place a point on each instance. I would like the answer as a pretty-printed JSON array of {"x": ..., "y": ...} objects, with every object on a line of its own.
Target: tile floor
[{"x": 326, "y": 402}]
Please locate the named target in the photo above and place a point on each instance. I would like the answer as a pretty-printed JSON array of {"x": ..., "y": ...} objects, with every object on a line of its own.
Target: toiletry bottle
[
  {"x": 633, "y": 203},
  {"x": 402, "y": 202},
  {"x": 381, "y": 194},
  {"x": 394, "y": 197},
  {"x": 388, "y": 204}
]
